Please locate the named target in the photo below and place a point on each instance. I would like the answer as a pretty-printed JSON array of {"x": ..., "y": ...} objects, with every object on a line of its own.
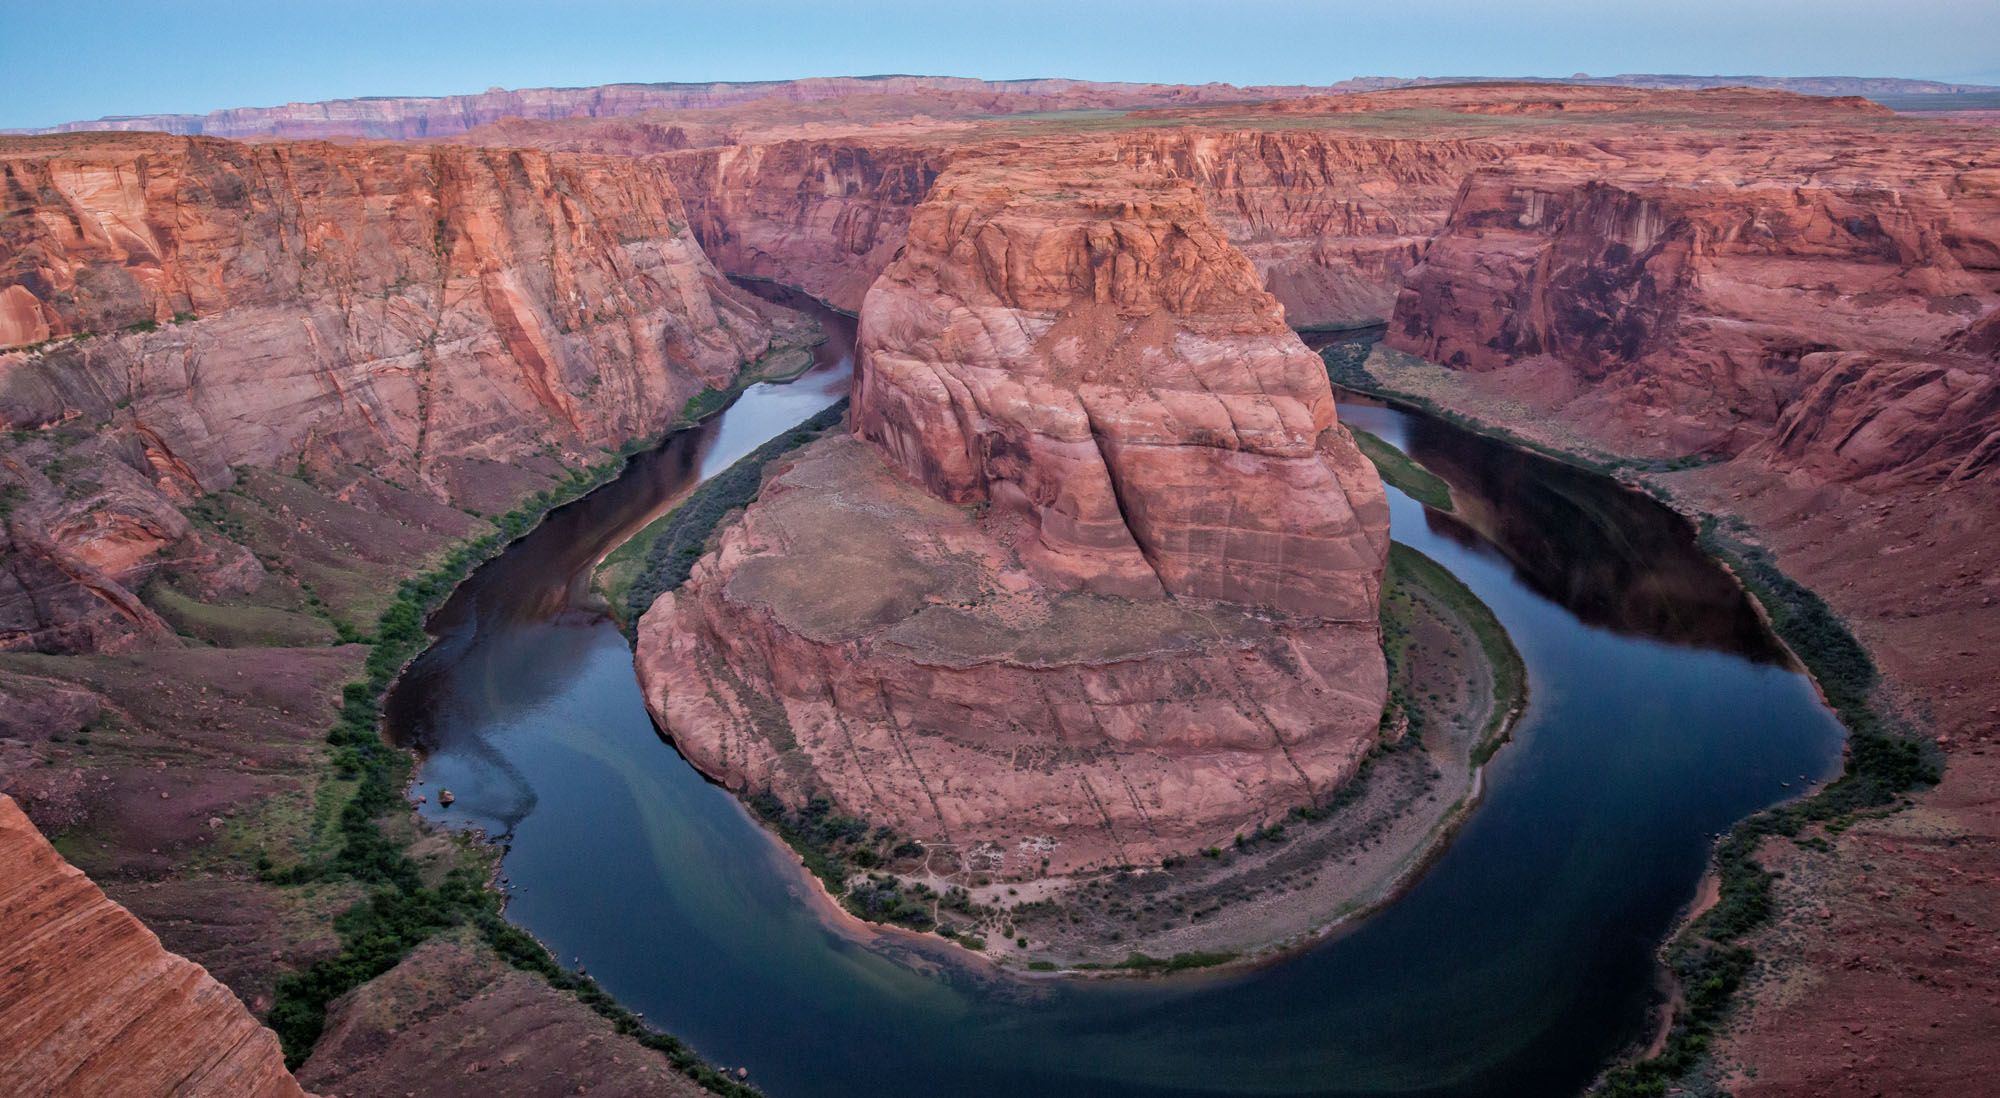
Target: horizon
[{"x": 373, "y": 49}]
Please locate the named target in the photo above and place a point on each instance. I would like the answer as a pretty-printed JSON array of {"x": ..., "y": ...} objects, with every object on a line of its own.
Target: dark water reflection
[
  {"x": 1615, "y": 559},
  {"x": 1515, "y": 966}
]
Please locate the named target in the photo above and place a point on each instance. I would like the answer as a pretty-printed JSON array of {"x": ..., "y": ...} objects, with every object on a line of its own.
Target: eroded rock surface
[
  {"x": 1095, "y": 582},
  {"x": 90, "y": 1004},
  {"x": 456, "y": 321}
]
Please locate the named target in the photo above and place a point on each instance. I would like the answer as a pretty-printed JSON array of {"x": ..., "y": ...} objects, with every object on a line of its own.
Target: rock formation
[
  {"x": 185, "y": 309},
  {"x": 1685, "y": 283},
  {"x": 1096, "y": 580},
  {"x": 826, "y": 216},
  {"x": 90, "y": 1004}
]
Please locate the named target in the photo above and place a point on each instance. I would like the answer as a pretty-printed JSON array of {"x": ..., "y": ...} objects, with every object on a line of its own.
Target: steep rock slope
[
  {"x": 1334, "y": 222},
  {"x": 824, "y": 215},
  {"x": 442, "y": 318},
  {"x": 1097, "y": 580},
  {"x": 1684, "y": 283},
  {"x": 91, "y": 1004}
]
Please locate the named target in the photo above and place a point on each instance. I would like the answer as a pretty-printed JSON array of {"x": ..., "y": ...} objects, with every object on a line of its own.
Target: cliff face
[
  {"x": 1082, "y": 345},
  {"x": 1688, "y": 300},
  {"x": 826, "y": 216},
  {"x": 1097, "y": 580},
  {"x": 90, "y": 1003},
  {"x": 432, "y": 316},
  {"x": 1334, "y": 222}
]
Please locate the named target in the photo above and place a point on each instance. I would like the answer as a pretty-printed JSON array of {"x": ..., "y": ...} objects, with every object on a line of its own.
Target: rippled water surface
[{"x": 1661, "y": 713}]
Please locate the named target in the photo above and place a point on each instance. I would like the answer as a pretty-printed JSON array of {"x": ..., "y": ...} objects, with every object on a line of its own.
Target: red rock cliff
[
  {"x": 90, "y": 1004},
  {"x": 431, "y": 315},
  {"x": 1102, "y": 588},
  {"x": 1085, "y": 347},
  {"x": 1685, "y": 280},
  {"x": 826, "y": 216}
]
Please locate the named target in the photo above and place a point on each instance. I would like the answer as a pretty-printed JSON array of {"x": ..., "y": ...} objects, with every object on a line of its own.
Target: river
[{"x": 1661, "y": 712}]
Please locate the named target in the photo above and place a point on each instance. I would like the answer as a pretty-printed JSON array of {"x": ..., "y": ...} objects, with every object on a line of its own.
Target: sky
[{"x": 73, "y": 59}]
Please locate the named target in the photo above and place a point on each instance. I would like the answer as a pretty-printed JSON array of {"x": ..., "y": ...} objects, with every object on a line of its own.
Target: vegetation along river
[{"x": 1661, "y": 711}]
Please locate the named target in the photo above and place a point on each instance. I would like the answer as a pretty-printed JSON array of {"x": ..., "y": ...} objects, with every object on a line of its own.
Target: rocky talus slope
[
  {"x": 1096, "y": 579},
  {"x": 91, "y": 1004}
]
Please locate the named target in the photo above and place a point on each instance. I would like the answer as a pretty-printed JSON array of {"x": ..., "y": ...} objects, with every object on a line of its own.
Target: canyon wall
[
  {"x": 90, "y": 1004},
  {"x": 446, "y": 319},
  {"x": 1334, "y": 222},
  {"x": 823, "y": 215},
  {"x": 1690, "y": 291},
  {"x": 1096, "y": 580}
]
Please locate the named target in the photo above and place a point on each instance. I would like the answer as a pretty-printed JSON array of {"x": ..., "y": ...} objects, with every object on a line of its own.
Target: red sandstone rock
[
  {"x": 826, "y": 216},
  {"x": 90, "y": 1004},
  {"x": 1081, "y": 346},
  {"x": 1686, "y": 279},
  {"x": 431, "y": 315},
  {"x": 1121, "y": 601}
]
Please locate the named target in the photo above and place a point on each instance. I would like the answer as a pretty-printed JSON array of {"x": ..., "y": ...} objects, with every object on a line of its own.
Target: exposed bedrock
[
  {"x": 1332, "y": 222},
  {"x": 1694, "y": 305},
  {"x": 185, "y": 309},
  {"x": 90, "y": 1003},
  {"x": 826, "y": 216},
  {"x": 1095, "y": 582}
]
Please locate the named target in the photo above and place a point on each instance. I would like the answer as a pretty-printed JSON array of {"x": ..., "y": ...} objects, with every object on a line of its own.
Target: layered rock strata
[
  {"x": 1096, "y": 579},
  {"x": 1693, "y": 294},
  {"x": 90, "y": 1003},
  {"x": 183, "y": 310}
]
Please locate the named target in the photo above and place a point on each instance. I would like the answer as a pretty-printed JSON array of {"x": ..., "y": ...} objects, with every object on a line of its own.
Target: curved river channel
[{"x": 1517, "y": 964}]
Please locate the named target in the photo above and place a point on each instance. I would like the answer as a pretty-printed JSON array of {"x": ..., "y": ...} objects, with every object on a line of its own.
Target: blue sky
[{"x": 83, "y": 58}]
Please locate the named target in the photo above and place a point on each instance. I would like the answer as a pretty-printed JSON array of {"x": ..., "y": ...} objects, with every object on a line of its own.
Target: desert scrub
[{"x": 1410, "y": 569}]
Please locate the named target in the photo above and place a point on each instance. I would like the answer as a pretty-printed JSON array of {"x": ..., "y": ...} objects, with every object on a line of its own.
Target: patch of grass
[
  {"x": 237, "y": 624},
  {"x": 1140, "y": 962},
  {"x": 676, "y": 540},
  {"x": 1400, "y": 470},
  {"x": 1409, "y": 567}
]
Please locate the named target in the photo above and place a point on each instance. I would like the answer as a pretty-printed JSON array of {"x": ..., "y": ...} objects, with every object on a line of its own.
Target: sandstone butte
[
  {"x": 1799, "y": 292},
  {"x": 1094, "y": 581},
  {"x": 90, "y": 1004}
]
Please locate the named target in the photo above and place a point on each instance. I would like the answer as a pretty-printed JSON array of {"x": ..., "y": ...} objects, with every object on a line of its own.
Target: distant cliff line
[{"x": 411, "y": 117}]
